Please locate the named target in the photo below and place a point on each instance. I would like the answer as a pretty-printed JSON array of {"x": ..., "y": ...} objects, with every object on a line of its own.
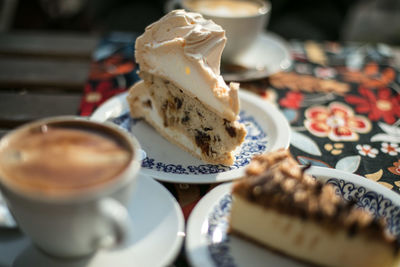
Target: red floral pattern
[
  {"x": 292, "y": 100},
  {"x": 96, "y": 95},
  {"x": 337, "y": 122},
  {"x": 370, "y": 76},
  {"x": 382, "y": 105},
  {"x": 111, "y": 67},
  {"x": 395, "y": 169}
]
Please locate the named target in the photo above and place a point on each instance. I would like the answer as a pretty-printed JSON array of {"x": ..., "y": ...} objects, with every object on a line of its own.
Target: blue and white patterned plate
[
  {"x": 208, "y": 244},
  {"x": 267, "y": 130}
]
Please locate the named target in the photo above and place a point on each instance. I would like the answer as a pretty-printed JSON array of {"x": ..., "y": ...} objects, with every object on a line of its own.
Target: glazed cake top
[{"x": 186, "y": 49}]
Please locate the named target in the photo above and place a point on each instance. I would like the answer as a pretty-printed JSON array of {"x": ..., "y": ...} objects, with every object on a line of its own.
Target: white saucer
[
  {"x": 208, "y": 243},
  {"x": 6, "y": 219},
  {"x": 268, "y": 55},
  {"x": 267, "y": 130},
  {"x": 157, "y": 235}
]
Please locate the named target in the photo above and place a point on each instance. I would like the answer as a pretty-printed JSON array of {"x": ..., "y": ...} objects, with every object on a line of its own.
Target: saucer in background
[{"x": 268, "y": 55}]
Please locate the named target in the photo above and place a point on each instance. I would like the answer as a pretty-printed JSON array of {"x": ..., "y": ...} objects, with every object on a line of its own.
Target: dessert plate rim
[
  {"x": 197, "y": 244},
  {"x": 157, "y": 235},
  {"x": 264, "y": 115}
]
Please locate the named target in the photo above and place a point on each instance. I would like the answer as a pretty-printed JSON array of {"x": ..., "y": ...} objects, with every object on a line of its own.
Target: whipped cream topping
[{"x": 186, "y": 49}]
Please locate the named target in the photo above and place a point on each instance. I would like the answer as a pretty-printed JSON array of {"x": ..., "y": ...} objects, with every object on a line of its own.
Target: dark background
[{"x": 336, "y": 20}]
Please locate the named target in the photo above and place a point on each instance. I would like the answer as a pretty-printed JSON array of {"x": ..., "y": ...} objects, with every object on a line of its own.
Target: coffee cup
[
  {"x": 242, "y": 20},
  {"x": 68, "y": 181}
]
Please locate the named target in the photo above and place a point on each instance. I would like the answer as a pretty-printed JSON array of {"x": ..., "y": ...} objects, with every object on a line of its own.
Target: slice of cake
[
  {"x": 279, "y": 206},
  {"x": 183, "y": 95}
]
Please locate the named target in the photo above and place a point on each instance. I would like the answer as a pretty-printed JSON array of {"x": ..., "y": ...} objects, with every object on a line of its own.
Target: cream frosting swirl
[{"x": 186, "y": 49}]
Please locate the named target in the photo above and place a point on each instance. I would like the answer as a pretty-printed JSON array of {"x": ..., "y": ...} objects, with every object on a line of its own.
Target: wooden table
[{"x": 41, "y": 75}]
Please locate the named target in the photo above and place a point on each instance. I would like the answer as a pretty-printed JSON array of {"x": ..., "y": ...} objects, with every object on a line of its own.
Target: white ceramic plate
[
  {"x": 157, "y": 235},
  {"x": 267, "y": 130},
  {"x": 268, "y": 55},
  {"x": 208, "y": 244}
]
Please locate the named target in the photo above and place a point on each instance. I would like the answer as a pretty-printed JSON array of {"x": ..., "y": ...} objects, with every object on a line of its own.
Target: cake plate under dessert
[
  {"x": 209, "y": 244},
  {"x": 267, "y": 130}
]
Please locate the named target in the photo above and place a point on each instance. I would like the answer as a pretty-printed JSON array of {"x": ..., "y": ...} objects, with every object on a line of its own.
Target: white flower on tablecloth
[
  {"x": 303, "y": 68},
  {"x": 391, "y": 133},
  {"x": 390, "y": 148},
  {"x": 325, "y": 73},
  {"x": 367, "y": 150}
]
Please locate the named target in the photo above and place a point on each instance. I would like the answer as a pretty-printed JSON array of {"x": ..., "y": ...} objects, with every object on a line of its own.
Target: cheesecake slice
[
  {"x": 280, "y": 207},
  {"x": 182, "y": 94}
]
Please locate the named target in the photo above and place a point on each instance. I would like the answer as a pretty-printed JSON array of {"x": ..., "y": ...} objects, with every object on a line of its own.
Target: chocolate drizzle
[{"x": 276, "y": 181}]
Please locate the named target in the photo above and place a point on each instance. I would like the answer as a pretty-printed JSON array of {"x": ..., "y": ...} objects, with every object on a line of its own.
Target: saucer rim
[
  {"x": 23, "y": 243},
  {"x": 287, "y": 59}
]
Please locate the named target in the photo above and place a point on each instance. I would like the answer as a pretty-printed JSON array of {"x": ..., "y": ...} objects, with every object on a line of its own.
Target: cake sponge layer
[{"x": 184, "y": 120}]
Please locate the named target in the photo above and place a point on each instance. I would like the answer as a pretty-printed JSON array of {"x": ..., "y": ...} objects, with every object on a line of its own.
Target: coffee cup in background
[
  {"x": 242, "y": 20},
  {"x": 67, "y": 181}
]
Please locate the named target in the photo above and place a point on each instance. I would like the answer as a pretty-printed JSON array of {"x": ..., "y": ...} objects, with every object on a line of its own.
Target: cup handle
[
  {"x": 117, "y": 219},
  {"x": 171, "y": 5}
]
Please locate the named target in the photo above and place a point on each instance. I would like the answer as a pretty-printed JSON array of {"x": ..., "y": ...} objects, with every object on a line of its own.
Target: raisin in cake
[
  {"x": 182, "y": 94},
  {"x": 280, "y": 207}
]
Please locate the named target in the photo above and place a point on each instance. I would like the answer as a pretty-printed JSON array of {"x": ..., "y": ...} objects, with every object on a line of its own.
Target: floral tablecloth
[{"x": 342, "y": 102}]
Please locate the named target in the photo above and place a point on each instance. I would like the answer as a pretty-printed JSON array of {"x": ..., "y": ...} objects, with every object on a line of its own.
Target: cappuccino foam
[
  {"x": 224, "y": 8},
  {"x": 58, "y": 160}
]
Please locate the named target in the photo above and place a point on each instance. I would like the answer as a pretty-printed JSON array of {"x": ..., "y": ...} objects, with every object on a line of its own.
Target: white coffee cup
[
  {"x": 241, "y": 27},
  {"x": 75, "y": 223}
]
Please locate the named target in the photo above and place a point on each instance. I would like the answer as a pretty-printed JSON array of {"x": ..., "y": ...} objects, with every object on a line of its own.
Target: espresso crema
[
  {"x": 62, "y": 159},
  {"x": 225, "y": 8}
]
